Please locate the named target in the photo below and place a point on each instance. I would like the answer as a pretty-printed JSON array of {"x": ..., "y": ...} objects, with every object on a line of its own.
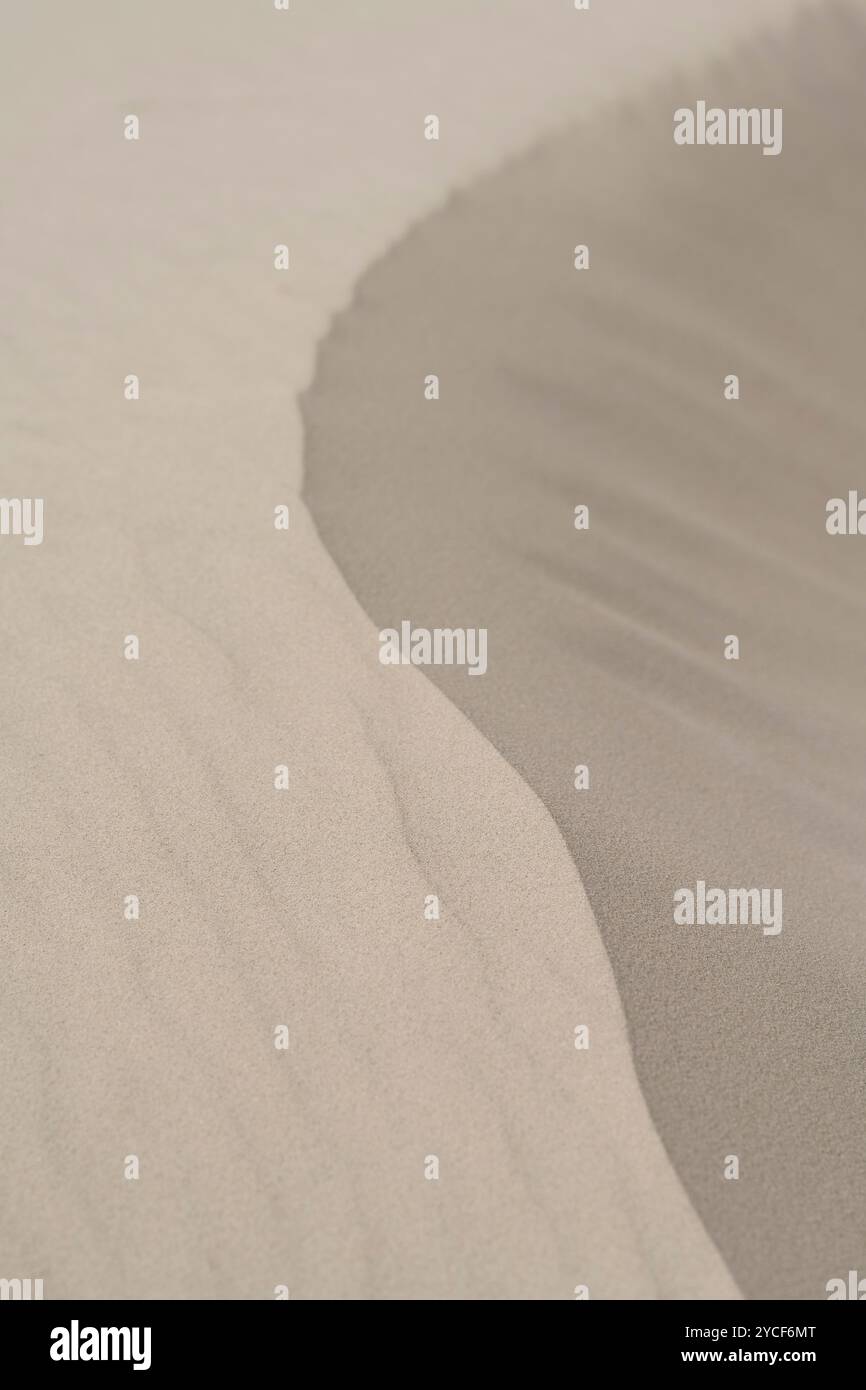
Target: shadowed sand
[{"x": 707, "y": 518}]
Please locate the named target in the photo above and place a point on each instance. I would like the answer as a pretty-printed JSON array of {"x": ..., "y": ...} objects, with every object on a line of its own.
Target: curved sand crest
[
  {"x": 707, "y": 518},
  {"x": 258, "y": 907},
  {"x": 407, "y": 1038}
]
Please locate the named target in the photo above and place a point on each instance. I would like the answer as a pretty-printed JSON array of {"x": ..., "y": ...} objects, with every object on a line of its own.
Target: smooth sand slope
[
  {"x": 707, "y": 519},
  {"x": 155, "y": 778}
]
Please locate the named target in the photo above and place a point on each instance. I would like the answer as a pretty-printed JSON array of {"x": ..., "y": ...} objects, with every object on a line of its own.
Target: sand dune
[{"x": 156, "y": 778}]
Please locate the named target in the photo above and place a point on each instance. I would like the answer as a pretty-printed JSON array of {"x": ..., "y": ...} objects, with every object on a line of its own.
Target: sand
[
  {"x": 707, "y": 518},
  {"x": 259, "y": 908}
]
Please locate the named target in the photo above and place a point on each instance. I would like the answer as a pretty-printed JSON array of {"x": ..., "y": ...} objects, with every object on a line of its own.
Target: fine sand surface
[
  {"x": 707, "y": 519},
  {"x": 156, "y": 778}
]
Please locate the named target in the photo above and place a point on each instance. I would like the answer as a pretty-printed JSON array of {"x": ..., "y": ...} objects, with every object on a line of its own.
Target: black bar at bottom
[{"x": 212, "y": 1338}]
